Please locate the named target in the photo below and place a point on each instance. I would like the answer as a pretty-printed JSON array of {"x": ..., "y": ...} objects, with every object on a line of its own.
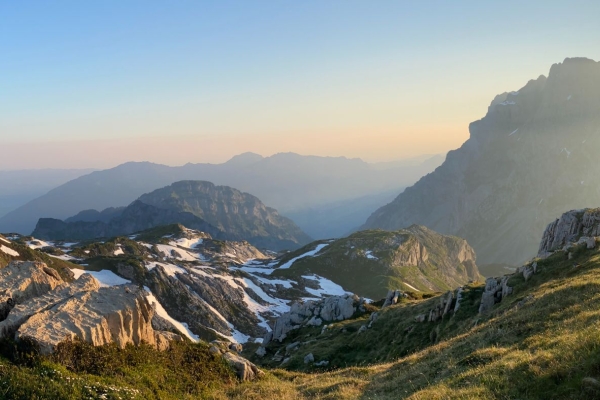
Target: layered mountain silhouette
[
  {"x": 289, "y": 182},
  {"x": 221, "y": 211},
  {"x": 531, "y": 157}
]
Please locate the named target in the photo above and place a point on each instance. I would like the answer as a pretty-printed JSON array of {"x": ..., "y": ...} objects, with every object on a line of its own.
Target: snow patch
[
  {"x": 187, "y": 243},
  {"x": 369, "y": 255},
  {"x": 170, "y": 269},
  {"x": 161, "y": 312},
  {"x": 412, "y": 287},
  {"x": 105, "y": 277},
  {"x": 327, "y": 287},
  {"x": 8, "y": 251},
  {"x": 307, "y": 254},
  {"x": 64, "y": 257},
  {"x": 183, "y": 254},
  {"x": 40, "y": 245}
]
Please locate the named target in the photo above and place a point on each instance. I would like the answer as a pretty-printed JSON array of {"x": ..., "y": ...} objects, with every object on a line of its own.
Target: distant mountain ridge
[
  {"x": 531, "y": 157},
  {"x": 22, "y": 186},
  {"x": 287, "y": 182},
  {"x": 221, "y": 211}
]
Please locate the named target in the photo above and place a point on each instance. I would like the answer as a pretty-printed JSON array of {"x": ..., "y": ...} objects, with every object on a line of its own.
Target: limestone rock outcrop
[
  {"x": 21, "y": 281},
  {"x": 495, "y": 290},
  {"x": 334, "y": 308},
  {"x": 311, "y": 313},
  {"x": 48, "y": 311},
  {"x": 571, "y": 227}
]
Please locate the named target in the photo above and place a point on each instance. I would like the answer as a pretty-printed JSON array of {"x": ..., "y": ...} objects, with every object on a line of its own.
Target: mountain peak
[
  {"x": 243, "y": 159},
  {"x": 526, "y": 160}
]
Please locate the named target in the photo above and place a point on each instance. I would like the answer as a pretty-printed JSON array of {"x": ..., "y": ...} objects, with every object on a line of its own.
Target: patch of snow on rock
[
  {"x": 307, "y": 254},
  {"x": 9, "y": 251},
  {"x": 160, "y": 310},
  {"x": 40, "y": 245},
  {"x": 105, "y": 277},
  {"x": 327, "y": 287},
  {"x": 170, "y": 269}
]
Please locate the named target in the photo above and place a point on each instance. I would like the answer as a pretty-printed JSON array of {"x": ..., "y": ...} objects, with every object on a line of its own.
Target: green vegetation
[
  {"x": 154, "y": 235},
  {"x": 541, "y": 342},
  {"x": 79, "y": 370},
  {"x": 371, "y": 262},
  {"x": 28, "y": 254}
]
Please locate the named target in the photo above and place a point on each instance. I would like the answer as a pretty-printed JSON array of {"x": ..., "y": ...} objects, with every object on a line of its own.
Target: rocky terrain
[
  {"x": 221, "y": 211},
  {"x": 369, "y": 263},
  {"x": 573, "y": 226},
  {"x": 405, "y": 326},
  {"x": 209, "y": 288},
  {"x": 529, "y": 159}
]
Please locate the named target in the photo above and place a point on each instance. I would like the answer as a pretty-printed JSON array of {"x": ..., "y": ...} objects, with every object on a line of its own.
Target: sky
[{"x": 94, "y": 84}]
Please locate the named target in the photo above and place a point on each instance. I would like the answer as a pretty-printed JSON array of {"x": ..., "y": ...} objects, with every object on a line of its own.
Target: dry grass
[{"x": 543, "y": 349}]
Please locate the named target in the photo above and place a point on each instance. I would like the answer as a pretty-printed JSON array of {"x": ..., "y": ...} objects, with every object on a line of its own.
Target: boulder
[
  {"x": 21, "y": 281},
  {"x": 245, "y": 370},
  {"x": 495, "y": 290},
  {"x": 312, "y": 313},
  {"x": 309, "y": 358},
  {"x": 591, "y": 243},
  {"x": 261, "y": 352},
  {"x": 238, "y": 348}
]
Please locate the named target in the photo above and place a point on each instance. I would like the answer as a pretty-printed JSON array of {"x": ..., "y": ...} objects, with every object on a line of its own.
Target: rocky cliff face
[
  {"x": 221, "y": 211},
  {"x": 571, "y": 227},
  {"x": 531, "y": 157}
]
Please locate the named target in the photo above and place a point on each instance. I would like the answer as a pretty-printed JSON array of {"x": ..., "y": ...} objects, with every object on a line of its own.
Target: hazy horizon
[{"x": 98, "y": 84}]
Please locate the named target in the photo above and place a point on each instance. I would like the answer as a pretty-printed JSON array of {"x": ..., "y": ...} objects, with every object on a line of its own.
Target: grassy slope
[
  {"x": 345, "y": 262},
  {"x": 547, "y": 348}
]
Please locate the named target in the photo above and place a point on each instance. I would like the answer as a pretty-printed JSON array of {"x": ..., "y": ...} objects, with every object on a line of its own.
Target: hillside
[
  {"x": 22, "y": 186},
  {"x": 221, "y": 211},
  {"x": 537, "y": 341},
  {"x": 529, "y": 159},
  {"x": 287, "y": 182},
  {"x": 369, "y": 263}
]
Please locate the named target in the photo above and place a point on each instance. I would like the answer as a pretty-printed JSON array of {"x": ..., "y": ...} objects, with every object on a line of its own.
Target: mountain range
[
  {"x": 531, "y": 157},
  {"x": 288, "y": 182},
  {"x": 21, "y": 186}
]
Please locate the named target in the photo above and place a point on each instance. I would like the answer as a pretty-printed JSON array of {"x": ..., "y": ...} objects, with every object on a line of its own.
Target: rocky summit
[
  {"x": 221, "y": 211},
  {"x": 530, "y": 158}
]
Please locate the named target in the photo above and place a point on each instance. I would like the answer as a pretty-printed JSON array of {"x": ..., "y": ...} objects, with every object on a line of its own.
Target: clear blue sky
[{"x": 270, "y": 75}]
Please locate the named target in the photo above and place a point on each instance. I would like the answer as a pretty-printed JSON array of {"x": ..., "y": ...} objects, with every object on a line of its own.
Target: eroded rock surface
[
  {"x": 48, "y": 311},
  {"x": 571, "y": 227}
]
